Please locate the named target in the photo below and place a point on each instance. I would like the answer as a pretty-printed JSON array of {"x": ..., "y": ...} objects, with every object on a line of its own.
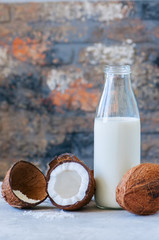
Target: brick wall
[{"x": 52, "y": 57}]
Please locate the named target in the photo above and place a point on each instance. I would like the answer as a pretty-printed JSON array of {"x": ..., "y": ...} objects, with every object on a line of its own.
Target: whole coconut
[{"x": 138, "y": 190}]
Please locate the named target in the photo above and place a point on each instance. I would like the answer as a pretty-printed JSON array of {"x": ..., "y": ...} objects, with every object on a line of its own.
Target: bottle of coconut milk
[{"x": 116, "y": 134}]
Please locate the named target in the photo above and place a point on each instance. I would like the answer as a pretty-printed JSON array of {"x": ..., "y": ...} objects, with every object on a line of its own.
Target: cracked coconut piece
[
  {"x": 24, "y": 185},
  {"x": 70, "y": 183}
]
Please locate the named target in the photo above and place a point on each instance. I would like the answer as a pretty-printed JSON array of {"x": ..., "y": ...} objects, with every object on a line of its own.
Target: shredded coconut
[
  {"x": 24, "y": 198},
  {"x": 48, "y": 216}
]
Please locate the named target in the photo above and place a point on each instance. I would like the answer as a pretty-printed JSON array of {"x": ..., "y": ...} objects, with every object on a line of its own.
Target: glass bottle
[{"x": 116, "y": 134}]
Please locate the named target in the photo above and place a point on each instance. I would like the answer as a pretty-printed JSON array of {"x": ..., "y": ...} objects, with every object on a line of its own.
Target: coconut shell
[
  {"x": 27, "y": 178},
  {"x": 138, "y": 190},
  {"x": 68, "y": 157}
]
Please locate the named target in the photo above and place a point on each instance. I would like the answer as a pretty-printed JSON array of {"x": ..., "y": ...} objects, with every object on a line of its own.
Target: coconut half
[
  {"x": 70, "y": 183},
  {"x": 24, "y": 185}
]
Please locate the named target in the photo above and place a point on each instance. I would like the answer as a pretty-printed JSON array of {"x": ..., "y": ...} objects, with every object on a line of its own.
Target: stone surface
[
  {"x": 102, "y": 54},
  {"x": 85, "y": 10},
  {"x": 150, "y": 122},
  {"x": 150, "y": 10},
  {"x": 29, "y": 51},
  {"x": 3, "y": 56},
  {"x": 52, "y": 59},
  {"x": 134, "y": 29},
  {"x": 89, "y": 223},
  {"x": 4, "y": 13},
  {"x": 150, "y": 148}
]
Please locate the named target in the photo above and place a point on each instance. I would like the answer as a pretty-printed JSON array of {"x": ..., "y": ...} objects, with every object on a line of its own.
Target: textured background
[{"x": 52, "y": 58}]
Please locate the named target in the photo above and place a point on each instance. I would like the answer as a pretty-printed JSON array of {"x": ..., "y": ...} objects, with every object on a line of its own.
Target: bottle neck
[
  {"x": 117, "y": 82},
  {"x": 118, "y": 99}
]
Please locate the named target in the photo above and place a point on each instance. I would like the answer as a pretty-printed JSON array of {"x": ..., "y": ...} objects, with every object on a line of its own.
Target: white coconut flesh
[
  {"x": 68, "y": 183},
  {"x": 24, "y": 198}
]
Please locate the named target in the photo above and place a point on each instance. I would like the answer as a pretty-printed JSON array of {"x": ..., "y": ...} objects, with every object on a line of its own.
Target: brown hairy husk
[{"x": 138, "y": 190}]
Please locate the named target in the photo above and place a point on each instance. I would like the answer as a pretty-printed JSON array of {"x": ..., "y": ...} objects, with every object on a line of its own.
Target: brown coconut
[
  {"x": 70, "y": 158},
  {"x": 138, "y": 190},
  {"x": 29, "y": 180}
]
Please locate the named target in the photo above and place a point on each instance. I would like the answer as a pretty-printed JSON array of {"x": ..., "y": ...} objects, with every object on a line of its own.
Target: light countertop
[{"x": 45, "y": 222}]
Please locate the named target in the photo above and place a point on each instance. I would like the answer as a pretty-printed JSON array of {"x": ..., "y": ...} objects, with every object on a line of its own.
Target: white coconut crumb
[
  {"x": 49, "y": 216},
  {"x": 24, "y": 198}
]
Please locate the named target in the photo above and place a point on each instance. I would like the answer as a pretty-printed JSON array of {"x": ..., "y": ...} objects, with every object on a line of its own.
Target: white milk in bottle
[{"x": 116, "y": 135}]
